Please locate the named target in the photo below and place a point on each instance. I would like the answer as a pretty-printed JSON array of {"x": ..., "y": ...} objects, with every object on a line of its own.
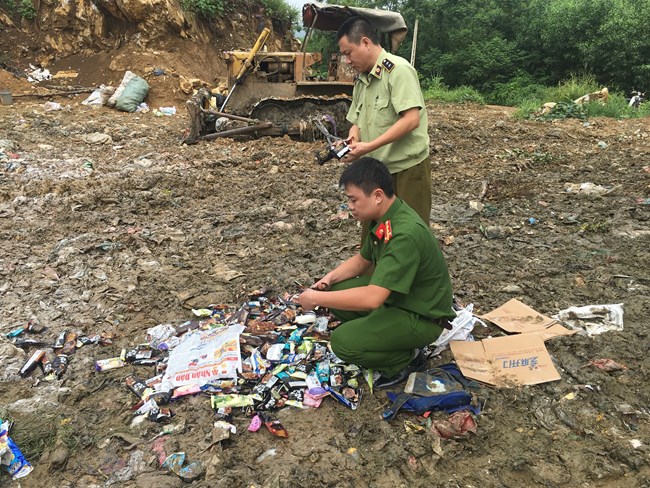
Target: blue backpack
[{"x": 456, "y": 398}]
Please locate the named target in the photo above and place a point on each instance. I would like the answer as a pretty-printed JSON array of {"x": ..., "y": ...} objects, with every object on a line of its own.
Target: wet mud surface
[{"x": 119, "y": 236}]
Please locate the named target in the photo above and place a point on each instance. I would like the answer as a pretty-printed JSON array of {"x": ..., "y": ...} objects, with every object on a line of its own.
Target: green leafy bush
[
  {"x": 516, "y": 91},
  {"x": 281, "y": 10},
  {"x": 565, "y": 110},
  {"x": 204, "y": 8},
  {"x": 23, "y": 8}
]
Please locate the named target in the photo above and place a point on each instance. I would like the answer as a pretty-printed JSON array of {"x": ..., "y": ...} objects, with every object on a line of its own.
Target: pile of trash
[
  {"x": 260, "y": 357},
  {"x": 268, "y": 354},
  {"x": 263, "y": 356}
]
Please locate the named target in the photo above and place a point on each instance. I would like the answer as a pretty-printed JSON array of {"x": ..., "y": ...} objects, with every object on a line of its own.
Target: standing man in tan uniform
[{"x": 388, "y": 114}]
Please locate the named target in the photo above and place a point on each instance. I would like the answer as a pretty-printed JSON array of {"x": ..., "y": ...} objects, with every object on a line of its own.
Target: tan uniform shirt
[{"x": 377, "y": 100}]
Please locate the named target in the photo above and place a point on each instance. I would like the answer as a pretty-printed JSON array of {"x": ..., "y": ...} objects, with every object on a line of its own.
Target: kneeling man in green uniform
[{"x": 407, "y": 300}]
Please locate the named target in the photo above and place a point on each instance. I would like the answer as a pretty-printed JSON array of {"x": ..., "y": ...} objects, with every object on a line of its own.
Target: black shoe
[{"x": 416, "y": 364}]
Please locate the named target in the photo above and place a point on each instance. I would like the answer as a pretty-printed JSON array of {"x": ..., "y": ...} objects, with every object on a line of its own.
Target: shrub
[
  {"x": 204, "y": 8},
  {"x": 23, "y": 8},
  {"x": 435, "y": 89},
  {"x": 516, "y": 91}
]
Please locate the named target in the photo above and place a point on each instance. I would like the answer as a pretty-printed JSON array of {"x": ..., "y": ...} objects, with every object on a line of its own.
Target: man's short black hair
[
  {"x": 355, "y": 28},
  {"x": 368, "y": 174}
]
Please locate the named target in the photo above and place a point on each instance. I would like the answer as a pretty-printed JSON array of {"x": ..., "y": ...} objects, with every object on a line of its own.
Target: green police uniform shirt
[
  {"x": 378, "y": 97},
  {"x": 409, "y": 262}
]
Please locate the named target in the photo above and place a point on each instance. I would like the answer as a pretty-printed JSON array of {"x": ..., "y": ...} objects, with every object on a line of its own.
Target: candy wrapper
[{"x": 11, "y": 457}]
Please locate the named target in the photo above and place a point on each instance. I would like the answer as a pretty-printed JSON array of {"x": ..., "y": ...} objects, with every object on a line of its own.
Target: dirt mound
[{"x": 100, "y": 41}]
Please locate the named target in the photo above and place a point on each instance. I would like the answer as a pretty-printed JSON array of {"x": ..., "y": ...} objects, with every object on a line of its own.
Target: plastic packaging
[{"x": 10, "y": 455}]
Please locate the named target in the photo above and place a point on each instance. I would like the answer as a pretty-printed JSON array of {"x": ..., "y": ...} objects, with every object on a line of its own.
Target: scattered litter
[
  {"x": 191, "y": 471},
  {"x": 38, "y": 74},
  {"x": 636, "y": 443},
  {"x": 66, "y": 74},
  {"x": 593, "y": 319},
  {"x": 142, "y": 108},
  {"x": 608, "y": 365},
  {"x": 52, "y": 106},
  {"x": 520, "y": 359},
  {"x": 160, "y": 111},
  {"x": 130, "y": 93},
  {"x": 517, "y": 317},
  {"x": 602, "y": 96},
  {"x": 10, "y": 456},
  {"x": 476, "y": 205},
  {"x": 587, "y": 189},
  {"x": 100, "y": 96},
  {"x": 443, "y": 388},
  {"x": 97, "y": 138},
  {"x": 457, "y": 425},
  {"x": 266, "y": 454},
  {"x": 204, "y": 356}
]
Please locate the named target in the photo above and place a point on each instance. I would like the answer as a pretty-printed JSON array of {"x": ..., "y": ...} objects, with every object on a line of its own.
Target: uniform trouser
[
  {"x": 382, "y": 339},
  {"x": 413, "y": 185}
]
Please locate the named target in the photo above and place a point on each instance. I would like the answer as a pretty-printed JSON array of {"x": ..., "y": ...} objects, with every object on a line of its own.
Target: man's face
[
  {"x": 357, "y": 55},
  {"x": 363, "y": 207}
]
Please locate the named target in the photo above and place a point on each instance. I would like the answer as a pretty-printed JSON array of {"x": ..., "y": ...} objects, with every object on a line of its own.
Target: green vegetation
[
  {"x": 276, "y": 10},
  {"x": 530, "y": 102},
  {"x": 23, "y": 8},
  {"x": 434, "y": 89},
  {"x": 512, "y": 51},
  {"x": 204, "y": 8},
  {"x": 281, "y": 10}
]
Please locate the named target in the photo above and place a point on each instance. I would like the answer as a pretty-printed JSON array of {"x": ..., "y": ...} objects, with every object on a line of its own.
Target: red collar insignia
[{"x": 384, "y": 231}]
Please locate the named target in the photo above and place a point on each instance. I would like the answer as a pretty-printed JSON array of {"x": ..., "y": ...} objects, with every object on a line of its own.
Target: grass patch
[
  {"x": 435, "y": 90},
  {"x": 33, "y": 434},
  {"x": 36, "y": 433},
  {"x": 572, "y": 89}
]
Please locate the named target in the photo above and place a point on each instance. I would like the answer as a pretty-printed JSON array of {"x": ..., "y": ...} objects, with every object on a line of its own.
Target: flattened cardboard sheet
[
  {"x": 516, "y": 317},
  {"x": 506, "y": 361}
]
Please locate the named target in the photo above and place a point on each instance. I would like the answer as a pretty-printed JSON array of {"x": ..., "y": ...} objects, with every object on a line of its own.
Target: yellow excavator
[{"x": 278, "y": 93}]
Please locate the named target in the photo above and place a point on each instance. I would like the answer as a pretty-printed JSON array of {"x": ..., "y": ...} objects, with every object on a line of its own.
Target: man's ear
[{"x": 379, "y": 195}]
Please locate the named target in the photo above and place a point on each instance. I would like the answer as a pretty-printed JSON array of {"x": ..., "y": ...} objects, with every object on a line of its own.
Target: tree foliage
[{"x": 491, "y": 44}]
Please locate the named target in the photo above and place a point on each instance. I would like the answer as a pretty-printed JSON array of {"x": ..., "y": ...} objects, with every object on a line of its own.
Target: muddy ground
[{"x": 121, "y": 236}]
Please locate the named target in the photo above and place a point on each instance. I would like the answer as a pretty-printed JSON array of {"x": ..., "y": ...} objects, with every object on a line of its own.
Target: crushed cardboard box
[
  {"x": 518, "y": 318},
  {"x": 519, "y": 359}
]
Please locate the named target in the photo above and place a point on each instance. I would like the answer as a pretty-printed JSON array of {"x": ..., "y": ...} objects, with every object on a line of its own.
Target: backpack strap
[{"x": 398, "y": 403}]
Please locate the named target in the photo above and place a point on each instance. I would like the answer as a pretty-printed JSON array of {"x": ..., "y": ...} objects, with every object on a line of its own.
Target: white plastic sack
[
  {"x": 593, "y": 319},
  {"x": 461, "y": 329},
  {"x": 99, "y": 96}
]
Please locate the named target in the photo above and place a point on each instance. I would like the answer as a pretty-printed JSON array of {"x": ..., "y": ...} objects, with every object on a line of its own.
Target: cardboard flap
[
  {"x": 514, "y": 316},
  {"x": 470, "y": 358},
  {"x": 555, "y": 330}
]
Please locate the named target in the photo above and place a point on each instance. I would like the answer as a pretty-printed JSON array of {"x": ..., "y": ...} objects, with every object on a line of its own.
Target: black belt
[{"x": 443, "y": 322}]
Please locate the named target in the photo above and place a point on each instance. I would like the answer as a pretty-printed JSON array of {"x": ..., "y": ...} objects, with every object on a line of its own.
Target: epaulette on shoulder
[{"x": 388, "y": 64}]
